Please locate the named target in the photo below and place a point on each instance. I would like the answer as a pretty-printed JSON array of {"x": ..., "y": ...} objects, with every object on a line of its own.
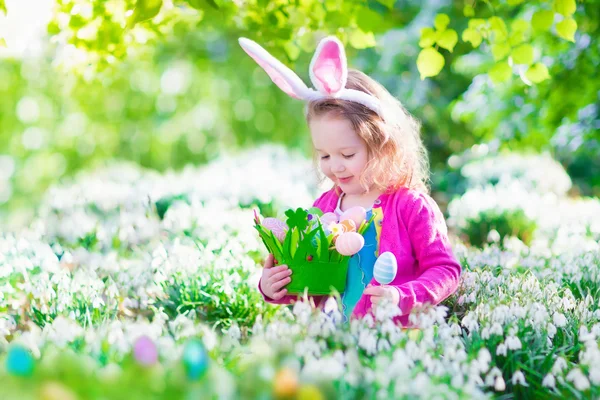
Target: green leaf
[
  {"x": 448, "y": 39},
  {"x": 476, "y": 23},
  {"x": 428, "y": 37},
  {"x": 500, "y": 72},
  {"x": 566, "y": 29},
  {"x": 515, "y": 2},
  {"x": 145, "y": 10},
  {"x": 542, "y": 20},
  {"x": 388, "y": 3},
  {"x": 292, "y": 50},
  {"x": 537, "y": 73},
  {"x": 522, "y": 54},
  {"x": 370, "y": 21},
  {"x": 3, "y": 6},
  {"x": 468, "y": 10},
  {"x": 472, "y": 36},
  {"x": 498, "y": 26},
  {"x": 500, "y": 50},
  {"x": 519, "y": 31},
  {"x": 429, "y": 62},
  {"x": 362, "y": 40},
  {"x": 201, "y": 4},
  {"x": 2, "y": 42},
  {"x": 564, "y": 7},
  {"x": 441, "y": 22}
]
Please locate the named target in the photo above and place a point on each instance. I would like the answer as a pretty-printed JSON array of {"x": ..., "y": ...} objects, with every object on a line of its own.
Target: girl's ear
[
  {"x": 281, "y": 75},
  {"x": 329, "y": 68}
]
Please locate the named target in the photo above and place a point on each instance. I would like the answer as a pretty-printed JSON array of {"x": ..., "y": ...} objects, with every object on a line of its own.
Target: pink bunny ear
[
  {"x": 328, "y": 68},
  {"x": 281, "y": 75}
]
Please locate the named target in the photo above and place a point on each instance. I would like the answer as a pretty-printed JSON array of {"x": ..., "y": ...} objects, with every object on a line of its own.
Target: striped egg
[
  {"x": 349, "y": 243},
  {"x": 357, "y": 214},
  {"x": 385, "y": 268},
  {"x": 277, "y": 226}
]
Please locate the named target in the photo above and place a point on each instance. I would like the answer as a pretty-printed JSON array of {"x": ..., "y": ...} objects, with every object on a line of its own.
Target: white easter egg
[
  {"x": 385, "y": 268},
  {"x": 328, "y": 218},
  {"x": 349, "y": 243},
  {"x": 277, "y": 226},
  {"x": 357, "y": 214}
]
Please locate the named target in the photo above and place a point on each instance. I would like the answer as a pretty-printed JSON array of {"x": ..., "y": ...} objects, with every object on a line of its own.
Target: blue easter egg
[
  {"x": 19, "y": 361},
  {"x": 195, "y": 359},
  {"x": 385, "y": 268}
]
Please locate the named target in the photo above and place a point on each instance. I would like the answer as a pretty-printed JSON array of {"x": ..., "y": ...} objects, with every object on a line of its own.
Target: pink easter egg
[
  {"x": 349, "y": 243},
  {"x": 277, "y": 226},
  {"x": 356, "y": 214},
  {"x": 328, "y": 218}
]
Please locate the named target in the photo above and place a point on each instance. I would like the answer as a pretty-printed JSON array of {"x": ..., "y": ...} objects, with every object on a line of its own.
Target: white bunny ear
[
  {"x": 329, "y": 68},
  {"x": 281, "y": 75}
]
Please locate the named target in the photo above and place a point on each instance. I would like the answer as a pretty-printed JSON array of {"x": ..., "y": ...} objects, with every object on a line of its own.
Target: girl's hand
[
  {"x": 377, "y": 293},
  {"x": 274, "y": 278}
]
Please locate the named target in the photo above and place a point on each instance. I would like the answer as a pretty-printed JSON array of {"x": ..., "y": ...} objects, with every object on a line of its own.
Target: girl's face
[{"x": 343, "y": 154}]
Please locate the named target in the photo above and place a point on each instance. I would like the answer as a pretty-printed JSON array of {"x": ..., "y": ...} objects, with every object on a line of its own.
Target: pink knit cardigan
[{"x": 414, "y": 230}]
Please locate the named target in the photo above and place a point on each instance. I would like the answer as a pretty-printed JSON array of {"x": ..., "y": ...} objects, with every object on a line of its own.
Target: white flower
[
  {"x": 551, "y": 330},
  {"x": 559, "y": 365},
  {"x": 549, "y": 381},
  {"x": 578, "y": 379},
  {"x": 559, "y": 320},
  {"x": 501, "y": 350},
  {"x": 518, "y": 378},
  {"x": 513, "y": 343},
  {"x": 499, "y": 384}
]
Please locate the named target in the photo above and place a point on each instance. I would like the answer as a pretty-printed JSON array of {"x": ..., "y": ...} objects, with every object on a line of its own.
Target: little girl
[{"x": 369, "y": 146}]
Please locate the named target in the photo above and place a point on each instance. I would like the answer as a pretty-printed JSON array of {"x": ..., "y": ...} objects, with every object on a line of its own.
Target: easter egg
[
  {"x": 385, "y": 268},
  {"x": 277, "y": 226},
  {"x": 285, "y": 384},
  {"x": 357, "y": 214},
  {"x": 195, "y": 359},
  {"x": 144, "y": 351},
  {"x": 19, "y": 361},
  {"x": 349, "y": 225},
  {"x": 328, "y": 218},
  {"x": 349, "y": 243},
  {"x": 56, "y": 391}
]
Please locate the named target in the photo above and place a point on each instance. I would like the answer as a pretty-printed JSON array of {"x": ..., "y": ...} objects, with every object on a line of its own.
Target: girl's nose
[{"x": 339, "y": 167}]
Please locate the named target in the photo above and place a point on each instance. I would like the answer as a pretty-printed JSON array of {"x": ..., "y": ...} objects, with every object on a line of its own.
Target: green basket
[
  {"x": 315, "y": 264},
  {"x": 319, "y": 278}
]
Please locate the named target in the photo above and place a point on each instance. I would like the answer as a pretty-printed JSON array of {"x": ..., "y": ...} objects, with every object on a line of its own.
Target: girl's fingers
[
  {"x": 279, "y": 295},
  {"x": 269, "y": 261},
  {"x": 280, "y": 275},
  {"x": 281, "y": 283},
  {"x": 374, "y": 291}
]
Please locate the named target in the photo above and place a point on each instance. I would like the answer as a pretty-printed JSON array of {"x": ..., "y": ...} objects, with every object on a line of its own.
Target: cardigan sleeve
[{"x": 438, "y": 269}]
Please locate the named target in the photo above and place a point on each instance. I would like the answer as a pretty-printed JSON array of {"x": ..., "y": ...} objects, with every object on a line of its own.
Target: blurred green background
[{"x": 165, "y": 84}]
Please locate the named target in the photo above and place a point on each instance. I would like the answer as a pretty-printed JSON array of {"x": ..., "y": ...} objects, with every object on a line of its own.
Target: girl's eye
[
  {"x": 324, "y": 157},
  {"x": 349, "y": 156}
]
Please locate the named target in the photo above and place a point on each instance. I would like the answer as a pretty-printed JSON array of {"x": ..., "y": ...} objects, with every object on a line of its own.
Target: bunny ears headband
[{"x": 328, "y": 73}]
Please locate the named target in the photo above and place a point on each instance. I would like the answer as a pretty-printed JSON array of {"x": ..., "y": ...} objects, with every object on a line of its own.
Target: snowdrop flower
[
  {"x": 501, "y": 350},
  {"x": 579, "y": 380},
  {"x": 518, "y": 378},
  {"x": 513, "y": 343},
  {"x": 549, "y": 381},
  {"x": 559, "y": 320},
  {"x": 499, "y": 384},
  {"x": 559, "y": 365}
]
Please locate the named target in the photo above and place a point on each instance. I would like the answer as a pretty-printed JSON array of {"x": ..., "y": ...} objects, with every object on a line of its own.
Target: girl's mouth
[{"x": 345, "y": 180}]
